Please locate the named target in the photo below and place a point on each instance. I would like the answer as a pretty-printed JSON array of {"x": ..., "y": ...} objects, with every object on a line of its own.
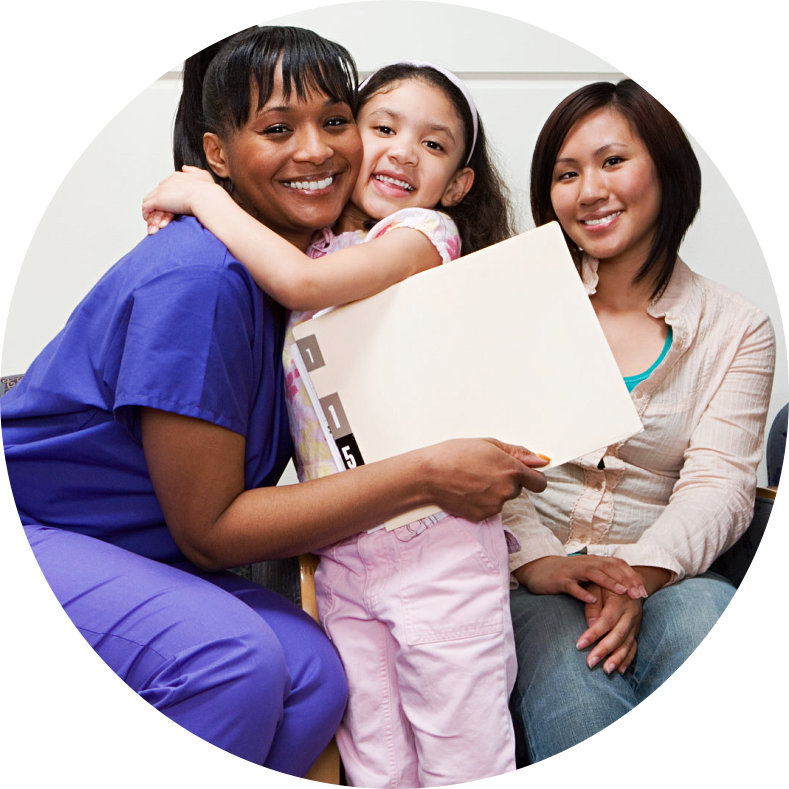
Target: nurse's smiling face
[{"x": 294, "y": 162}]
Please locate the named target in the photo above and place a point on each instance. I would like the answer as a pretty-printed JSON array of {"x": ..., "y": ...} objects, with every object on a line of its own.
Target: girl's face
[
  {"x": 413, "y": 143},
  {"x": 293, "y": 164},
  {"x": 605, "y": 191}
]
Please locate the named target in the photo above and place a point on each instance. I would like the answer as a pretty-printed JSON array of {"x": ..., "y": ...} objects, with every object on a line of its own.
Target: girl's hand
[
  {"x": 156, "y": 220},
  {"x": 614, "y": 622},
  {"x": 175, "y": 195},
  {"x": 566, "y": 574}
]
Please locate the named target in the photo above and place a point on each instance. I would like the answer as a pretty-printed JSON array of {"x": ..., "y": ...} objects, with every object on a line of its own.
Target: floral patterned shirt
[{"x": 313, "y": 458}]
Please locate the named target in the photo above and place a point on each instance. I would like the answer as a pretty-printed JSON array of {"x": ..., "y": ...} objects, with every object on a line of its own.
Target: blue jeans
[{"x": 558, "y": 701}]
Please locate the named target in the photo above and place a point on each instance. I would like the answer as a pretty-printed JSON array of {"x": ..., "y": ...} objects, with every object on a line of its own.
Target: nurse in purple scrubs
[{"x": 144, "y": 443}]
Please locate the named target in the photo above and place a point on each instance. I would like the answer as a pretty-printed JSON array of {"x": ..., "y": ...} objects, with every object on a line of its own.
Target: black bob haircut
[{"x": 676, "y": 165}]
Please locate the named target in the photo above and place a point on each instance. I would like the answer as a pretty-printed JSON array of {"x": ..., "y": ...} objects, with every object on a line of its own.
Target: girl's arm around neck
[
  {"x": 197, "y": 471},
  {"x": 278, "y": 267}
]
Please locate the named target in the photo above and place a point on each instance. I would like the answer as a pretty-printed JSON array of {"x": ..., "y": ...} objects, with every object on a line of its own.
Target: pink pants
[{"x": 420, "y": 616}]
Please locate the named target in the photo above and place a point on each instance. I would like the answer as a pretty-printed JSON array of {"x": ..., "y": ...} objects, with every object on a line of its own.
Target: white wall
[{"x": 517, "y": 74}]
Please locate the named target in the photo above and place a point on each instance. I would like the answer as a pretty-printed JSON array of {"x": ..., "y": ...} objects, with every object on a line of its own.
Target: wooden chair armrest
[
  {"x": 308, "y": 563},
  {"x": 327, "y": 766},
  {"x": 766, "y": 492}
]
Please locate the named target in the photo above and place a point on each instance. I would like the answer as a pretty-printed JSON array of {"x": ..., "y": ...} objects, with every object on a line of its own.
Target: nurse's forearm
[
  {"x": 275, "y": 522},
  {"x": 197, "y": 473}
]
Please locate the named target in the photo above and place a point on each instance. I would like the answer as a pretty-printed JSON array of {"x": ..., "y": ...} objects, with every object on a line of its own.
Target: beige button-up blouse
[{"x": 681, "y": 492}]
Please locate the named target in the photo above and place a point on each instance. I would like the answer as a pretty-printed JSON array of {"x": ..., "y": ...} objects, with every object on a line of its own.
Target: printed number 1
[
  {"x": 309, "y": 352},
  {"x": 333, "y": 413}
]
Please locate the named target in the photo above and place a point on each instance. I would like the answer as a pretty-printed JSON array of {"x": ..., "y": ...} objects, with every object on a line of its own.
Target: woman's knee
[
  {"x": 315, "y": 677},
  {"x": 684, "y": 613},
  {"x": 313, "y": 707},
  {"x": 676, "y": 620},
  {"x": 545, "y": 623},
  {"x": 241, "y": 665},
  {"x": 546, "y": 629},
  {"x": 319, "y": 677}
]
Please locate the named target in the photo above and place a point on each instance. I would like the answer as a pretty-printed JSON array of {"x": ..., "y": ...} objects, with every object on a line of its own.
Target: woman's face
[
  {"x": 413, "y": 142},
  {"x": 293, "y": 164},
  {"x": 605, "y": 191}
]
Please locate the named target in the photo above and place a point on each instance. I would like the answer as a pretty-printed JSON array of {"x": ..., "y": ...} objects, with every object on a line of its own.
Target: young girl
[
  {"x": 424, "y": 148},
  {"x": 420, "y": 614}
]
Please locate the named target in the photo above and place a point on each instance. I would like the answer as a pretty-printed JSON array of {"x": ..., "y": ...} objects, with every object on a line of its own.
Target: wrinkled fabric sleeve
[
  {"x": 436, "y": 226},
  {"x": 535, "y": 540},
  {"x": 712, "y": 501},
  {"x": 188, "y": 349}
]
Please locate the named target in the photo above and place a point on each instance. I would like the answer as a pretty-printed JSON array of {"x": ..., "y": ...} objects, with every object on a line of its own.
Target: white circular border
[{"x": 719, "y": 68}]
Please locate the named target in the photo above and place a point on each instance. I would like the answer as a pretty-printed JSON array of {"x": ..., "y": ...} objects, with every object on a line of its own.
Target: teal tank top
[{"x": 631, "y": 381}]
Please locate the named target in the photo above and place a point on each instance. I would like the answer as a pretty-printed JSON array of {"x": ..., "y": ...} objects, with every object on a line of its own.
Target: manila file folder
[{"x": 500, "y": 343}]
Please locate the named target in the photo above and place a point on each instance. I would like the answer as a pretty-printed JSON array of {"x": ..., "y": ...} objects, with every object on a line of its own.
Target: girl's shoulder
[
  {"x": 439, "y": 228},
  {"x": 326, "y": 241}
]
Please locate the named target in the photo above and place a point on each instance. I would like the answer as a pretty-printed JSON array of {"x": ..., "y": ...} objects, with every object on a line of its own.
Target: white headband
[{"x": 456, "y": 81}]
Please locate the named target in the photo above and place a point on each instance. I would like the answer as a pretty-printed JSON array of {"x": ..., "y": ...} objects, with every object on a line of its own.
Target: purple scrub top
[{"x": 177, "y": 324}]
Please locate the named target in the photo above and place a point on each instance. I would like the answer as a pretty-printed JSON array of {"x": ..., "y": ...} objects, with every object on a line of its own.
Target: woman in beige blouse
[{"x": 617, "y": 172}]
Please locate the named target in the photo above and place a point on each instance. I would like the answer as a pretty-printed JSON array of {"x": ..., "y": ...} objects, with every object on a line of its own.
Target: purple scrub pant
[{"x": 232, "y": 662}]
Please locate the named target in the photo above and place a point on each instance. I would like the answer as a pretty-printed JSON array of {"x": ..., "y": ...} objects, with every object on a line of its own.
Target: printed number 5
[{"x": 350, "y": 460}]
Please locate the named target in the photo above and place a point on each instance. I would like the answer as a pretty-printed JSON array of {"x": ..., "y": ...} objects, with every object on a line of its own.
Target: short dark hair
[
  {"x": 675, "y": 163},
  {"x": 484, "y": 215},
  {"x": 217, "y": 81}
]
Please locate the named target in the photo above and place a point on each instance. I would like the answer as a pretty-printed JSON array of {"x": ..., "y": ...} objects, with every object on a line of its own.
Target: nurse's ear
[{"x": 215, "y": 154}]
